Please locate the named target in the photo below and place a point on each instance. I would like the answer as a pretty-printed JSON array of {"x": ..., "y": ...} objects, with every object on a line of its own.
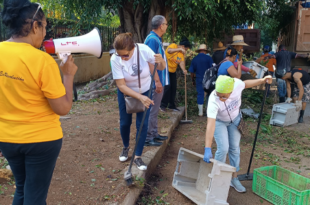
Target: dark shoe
[
  {"x": 174, "y": 109},
  {"x": 152, "y": 143},
  {"x": 140, "y": 164},
  {"x": 301, "y": 119},
  {"x": 163, "y": 109},
  {"x": 124, "y": 155},
  {"x": 160, "y": 138}
]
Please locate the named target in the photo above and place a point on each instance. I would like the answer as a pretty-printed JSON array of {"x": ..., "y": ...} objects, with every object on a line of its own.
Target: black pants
[
  {"x": 33, "y": 166},
  {"x": 170, "y": 92}
]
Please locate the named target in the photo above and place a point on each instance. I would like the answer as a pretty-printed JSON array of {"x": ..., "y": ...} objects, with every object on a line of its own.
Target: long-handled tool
[
  {"x": 186, "y": 121},
  {"x": 249, "y": 176},
  {"x": 128, "y": 174}
]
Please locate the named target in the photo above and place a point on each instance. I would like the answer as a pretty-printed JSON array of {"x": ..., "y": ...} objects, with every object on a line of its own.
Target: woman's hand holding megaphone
[{"x": 68, "y": 68}]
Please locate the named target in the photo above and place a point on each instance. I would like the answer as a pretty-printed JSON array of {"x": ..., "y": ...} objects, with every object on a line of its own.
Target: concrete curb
[{"x": 151, "y": 158}]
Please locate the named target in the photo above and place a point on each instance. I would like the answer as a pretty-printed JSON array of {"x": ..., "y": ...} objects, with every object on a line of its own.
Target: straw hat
[
  {"x": 238, "y": 41},
  {"x": 203, "y": 47},
  {"x": 220, "y": 47}
]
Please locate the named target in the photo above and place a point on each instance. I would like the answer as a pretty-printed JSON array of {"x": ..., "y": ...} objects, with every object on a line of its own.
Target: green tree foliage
[
  {"x": 209, "y": 19},
  {"x": 204, "y": 19},
  {"x": 277, "y": 14}
]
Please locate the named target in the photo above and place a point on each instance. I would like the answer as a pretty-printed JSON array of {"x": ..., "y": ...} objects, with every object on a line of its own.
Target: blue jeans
[
  {"x": 227, "y": 137},
  {"x": 33, "y": 166},
  {"x": 200, "y": 91},
  {"x": 281, "y": 87},
  {"x": 126, "y": 120}
]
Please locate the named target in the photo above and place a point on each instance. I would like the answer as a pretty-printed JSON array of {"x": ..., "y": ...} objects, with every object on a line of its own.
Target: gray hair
[{"x": 157, "y": 21}]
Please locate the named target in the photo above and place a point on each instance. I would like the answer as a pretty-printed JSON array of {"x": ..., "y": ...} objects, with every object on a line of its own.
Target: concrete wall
[{"x": 90, "y": 67}]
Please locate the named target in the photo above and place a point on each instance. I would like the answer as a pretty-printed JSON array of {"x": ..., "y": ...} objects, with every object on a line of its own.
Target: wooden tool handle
[{"x": 185, "y": 99}]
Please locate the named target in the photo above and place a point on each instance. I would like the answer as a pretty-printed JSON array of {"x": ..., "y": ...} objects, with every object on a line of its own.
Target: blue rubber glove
[{"x": 207, "y": 155}]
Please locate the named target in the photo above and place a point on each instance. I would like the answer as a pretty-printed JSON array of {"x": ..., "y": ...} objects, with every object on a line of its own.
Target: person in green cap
[{"x": 224, "y": 117}]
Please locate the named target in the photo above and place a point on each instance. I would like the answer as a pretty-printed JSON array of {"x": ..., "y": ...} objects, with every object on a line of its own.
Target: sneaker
[
  {"x": 237, "y": 185},
  {"x": 174, "y": 109},
  {"x": 140, "y": 164},
  {"x": 163, "y": 109},
  {"x": 124, "y": 155}
]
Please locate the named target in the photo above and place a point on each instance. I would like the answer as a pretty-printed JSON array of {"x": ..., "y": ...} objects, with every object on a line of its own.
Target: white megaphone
[{"x": 89, "y": 43}]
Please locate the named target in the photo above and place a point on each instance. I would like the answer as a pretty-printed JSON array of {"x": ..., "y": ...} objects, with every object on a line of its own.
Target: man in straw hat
[
  {"x": 238, "y": 43},
  {"x": 199, "y": 65},
  {"x": 218, "y": 55}
]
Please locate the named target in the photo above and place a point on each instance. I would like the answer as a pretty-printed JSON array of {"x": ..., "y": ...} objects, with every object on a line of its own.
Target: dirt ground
[
  {"x": 282, "y": 147},
  {"x": 88, "y": 169}
]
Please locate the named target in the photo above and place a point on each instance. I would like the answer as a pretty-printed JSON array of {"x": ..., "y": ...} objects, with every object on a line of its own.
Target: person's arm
[
  {"x": 302, "y": 56},
  {"x": 158, "y": 85},
  {"x": 243, "y": 68},
  {"x": 62, "y": 105},
  {"x": 121, "y": 84},
  {"x": 182, "y": 66},
  {"x": 160, "y": 61},
  {"x": 155, "y": 58},
  {"x": 269, "y": 56},
  {"x": 233, "y": 72},
  {"x": 192, "y": 70},
  {"x": 256, "y": 82},
  {"x": 288, "y": 88},
  {"x": 173, "y": 50},
  {"x": 210, "y": 132}
]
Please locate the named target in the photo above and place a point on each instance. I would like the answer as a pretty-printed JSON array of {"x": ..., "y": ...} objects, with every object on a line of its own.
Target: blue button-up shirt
[
  {"x": 155, "y": 43},
  {"x": 200, "y": 64}
]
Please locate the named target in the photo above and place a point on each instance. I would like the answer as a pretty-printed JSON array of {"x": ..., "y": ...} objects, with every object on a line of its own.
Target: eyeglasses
[
  {"x": 122, "y": 56},
  {"x": 165, "y": 23},
  {"x": 39, "y": 7},
  {"x": 223, "y": 98}
]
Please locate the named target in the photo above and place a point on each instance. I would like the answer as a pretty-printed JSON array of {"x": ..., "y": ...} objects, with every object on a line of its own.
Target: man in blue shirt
[
  {"x": 154, "y": 41},
  {"x": 199, "y": 65}
]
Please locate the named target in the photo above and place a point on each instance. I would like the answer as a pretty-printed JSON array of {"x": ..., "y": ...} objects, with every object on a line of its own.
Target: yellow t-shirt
[
  {"x": 174, "y": 59},
  {"x": 28, "y": 77}
]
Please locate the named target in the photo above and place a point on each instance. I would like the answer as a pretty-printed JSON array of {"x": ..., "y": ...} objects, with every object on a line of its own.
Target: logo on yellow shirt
[
  {"x": 178, "y": 60},
  {"x": 11, "y": 76}
]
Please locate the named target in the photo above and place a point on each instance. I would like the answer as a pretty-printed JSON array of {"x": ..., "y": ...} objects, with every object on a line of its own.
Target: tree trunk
[
  {"x": 157, "y": 8},
  {"x": 135, "y": 20}
]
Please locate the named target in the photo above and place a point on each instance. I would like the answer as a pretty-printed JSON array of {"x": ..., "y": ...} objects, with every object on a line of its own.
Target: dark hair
[
  {"x": 124, "y": 41},
  {"x": 157, "y": 21},
  {"x": 281, "y": 47},
  {"x": 17, "y": 16},
  {"x": 231, "y": 51},
  {"x": 185, "y": 42}
]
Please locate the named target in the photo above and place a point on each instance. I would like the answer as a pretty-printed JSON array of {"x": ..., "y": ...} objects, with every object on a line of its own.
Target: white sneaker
[
  {"x": 237, "y": 185},
  {"x": 140, "y": 164},
  {"x": 124, "y": 155},
  {"x": 200, "y": 107}
]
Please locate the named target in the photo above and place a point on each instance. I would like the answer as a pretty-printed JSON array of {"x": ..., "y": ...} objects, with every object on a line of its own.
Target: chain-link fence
[{"x": 66, "y": 28}]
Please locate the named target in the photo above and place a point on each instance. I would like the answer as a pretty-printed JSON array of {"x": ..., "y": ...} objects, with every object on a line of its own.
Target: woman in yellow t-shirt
[
  {"x": 32, "y": 96},
  {"x": 175, "y": 57}
]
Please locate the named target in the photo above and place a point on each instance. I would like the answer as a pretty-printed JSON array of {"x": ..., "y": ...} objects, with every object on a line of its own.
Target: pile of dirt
[{"x": 5, "y": 175}]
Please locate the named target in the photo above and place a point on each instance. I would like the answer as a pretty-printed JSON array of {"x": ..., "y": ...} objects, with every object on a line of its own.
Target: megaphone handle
[{"x": 63, "y": 56}]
